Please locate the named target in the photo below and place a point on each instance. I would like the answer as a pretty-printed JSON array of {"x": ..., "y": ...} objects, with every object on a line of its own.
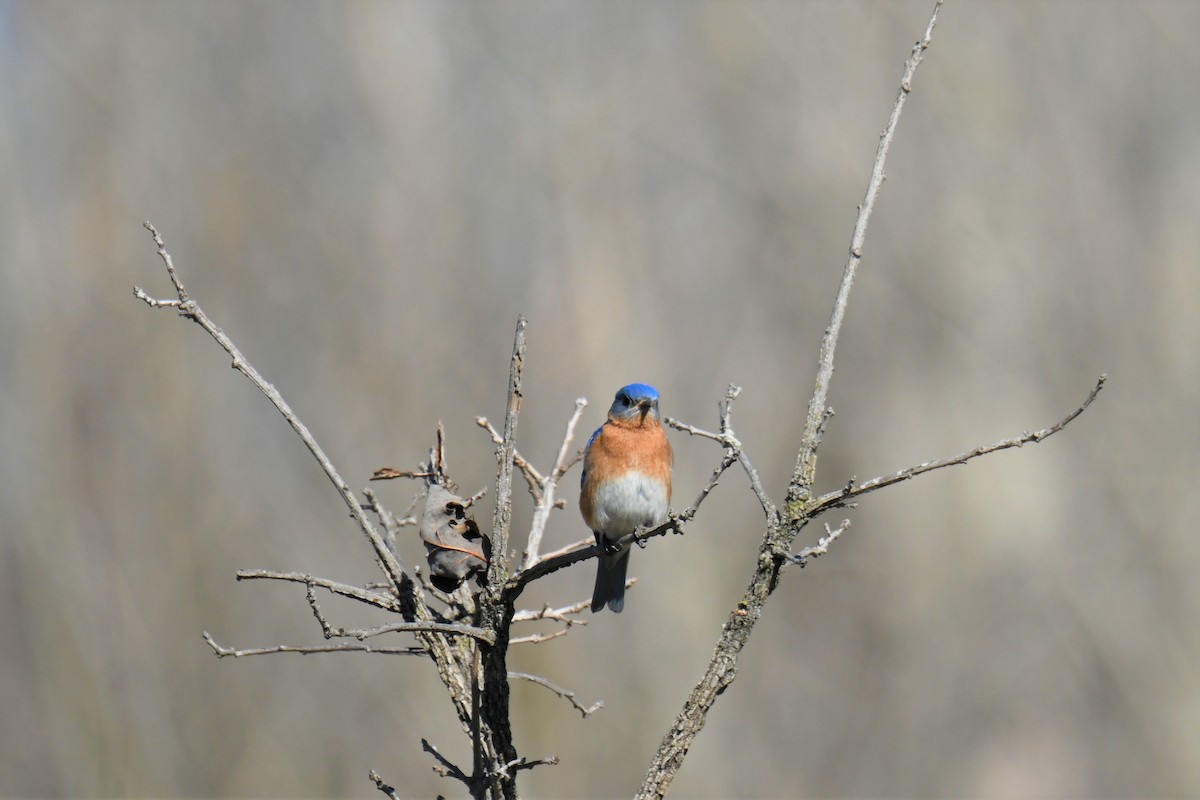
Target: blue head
[{"x": 635, "y": 401}]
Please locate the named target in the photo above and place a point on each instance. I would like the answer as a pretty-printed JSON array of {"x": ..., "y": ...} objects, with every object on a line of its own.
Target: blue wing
[{"x": 583, "y": 473}]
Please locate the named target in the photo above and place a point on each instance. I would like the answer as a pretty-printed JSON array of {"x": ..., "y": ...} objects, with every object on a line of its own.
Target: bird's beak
[{"x": 644, "y": 409}]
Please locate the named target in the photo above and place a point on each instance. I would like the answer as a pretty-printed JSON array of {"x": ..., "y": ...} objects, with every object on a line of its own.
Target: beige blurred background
[{"x": 365, "y": 195}]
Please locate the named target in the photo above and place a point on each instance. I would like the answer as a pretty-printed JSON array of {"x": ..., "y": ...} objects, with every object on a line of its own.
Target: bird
[{"x": 626, "y": 484}]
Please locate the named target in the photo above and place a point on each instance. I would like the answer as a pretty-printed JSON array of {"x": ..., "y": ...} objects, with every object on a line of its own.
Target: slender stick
[
  {"x": 800, "y": 486},
  {"x": 777, "y": 541},
  {"x": 191, "y": 309}
]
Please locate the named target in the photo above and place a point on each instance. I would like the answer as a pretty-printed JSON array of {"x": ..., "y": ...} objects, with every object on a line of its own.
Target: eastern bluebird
[{"x": 626, "y": 484}]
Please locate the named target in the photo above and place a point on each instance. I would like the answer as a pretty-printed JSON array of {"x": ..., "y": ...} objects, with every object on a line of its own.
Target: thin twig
[
  {"x": 448, "y": 769},
  {"x": 533, "y": 478},
  {"x": 538, "y": 638},
  {"x": 564, "y": 614},
  {"x": 801, "y": 483},
  {"x": 345, "y": 590},
  {"x": 545, "y": 502},
  {"x": 570, "y": 548},
  {"x": 190, "y": 309},
  {"x": 310, "y": 594},
  {"x": 773, "y": 553},
  {"x": 565, "y": 694},
  {"x": 381, "y": 786},
  {"x": 391, "y": 524},
  {"x": 844, "y": 495},
  {"x": 446, "y": 628},
  {"x": 520, "y": 580},
  {"x": 502, "y": 518},
  {"x": 530, "y": 763},
  {"x": 822, "y": 545},
  {"x": 344, "y": 647},
  {"x": 410, "y": 600},
  {"x": 733, "y": 448}
]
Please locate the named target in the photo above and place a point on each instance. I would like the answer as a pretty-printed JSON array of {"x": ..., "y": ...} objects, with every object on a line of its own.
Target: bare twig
[
  {"x": 391, "y": 524},
  {"x": 190, "y": 309},
  {"x": 223, "y": 652},
  {"x": 844, "y": 495},
  {"x": 533, "y": 478},
  {"x": 733, "y": 450},
  {"x": 446, "y": 628},
  {"x": 446, "y": 655},
  {"x": 570, "y": 548},
  {"x": 773, "y": 553},
  {"x": 381, "y": 786},
  {"x": 310, "y": 594},
  {"x": 353, "y": 592},
  {"x": 448, "y": 768},
  {"x": 545, "y": 501},
  {"x": 473, "y": 499},
  {"x": 565, "y": 694},
  {"x": 538, "y": 638},
  {"x": 479, "y": 761},
  {"x": 495, "y": 606},
  {"x": 564, "y": 614},
  {"x": 391, "y": 473},
  {"x": 498, "y": 566},
  {"x": 822, "y": 545},
  {"x": 800, "y": 486},
  {"x": 530, "y": 763}
]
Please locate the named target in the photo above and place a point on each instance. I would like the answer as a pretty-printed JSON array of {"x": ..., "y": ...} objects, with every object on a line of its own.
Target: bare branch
[
  {"x": 822, "y": 545},
  {"x": 563, "y": 614},
  {"x": 345, "y": 590},
  {"x": 570, "y": 548},
  {"x": 569, "y": 696},
  {"x": 311, "y": 595},
  {"x": 502, "y": 518},
  {"x": 448, "y": 769},
  {"x": 530, "y": 763},
  {"x": 734, "y": 450},
  {"x": 538, "y": 638},
  {"x": 544, "y": 502},
  {"x": 381, "y": 786},
  {"x": 800, "y": 486},
  {"x": 447, "y": 628},
  {"x": 191, "y": 309},
  {"x": 533, "y": 478},
  {"x": 475, "y": 498},
  {"x": 222, "y": 652},
  {"x": 842, "y": 496},
  {"x": 391, "y": 525},
  {"x": 391, "y": 473},
  {"x": 446, "y": 655},
  {"x": 773, "y": 553}
]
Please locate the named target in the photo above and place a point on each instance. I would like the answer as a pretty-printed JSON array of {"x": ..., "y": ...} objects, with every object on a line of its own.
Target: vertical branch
[
  {"x": 545, "y": 503},
  {"x": 800, "y": 486},
  {"x": 496, "y": 612},
  {"x": 502, "y": 520},
  {"x": 774, "y": 550}
]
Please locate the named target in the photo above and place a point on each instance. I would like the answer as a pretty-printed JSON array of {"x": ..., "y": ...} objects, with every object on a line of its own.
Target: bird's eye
[{"x": 624, "y": 398}]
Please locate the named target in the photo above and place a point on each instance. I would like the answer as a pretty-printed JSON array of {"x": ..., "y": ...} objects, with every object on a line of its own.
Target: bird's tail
[{"x": 610, "y": 581}]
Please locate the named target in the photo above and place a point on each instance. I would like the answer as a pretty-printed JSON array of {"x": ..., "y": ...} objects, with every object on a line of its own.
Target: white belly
[{"x": 631, "y": 502}]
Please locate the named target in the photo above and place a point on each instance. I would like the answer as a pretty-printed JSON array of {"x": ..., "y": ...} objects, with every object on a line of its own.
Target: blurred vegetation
[{"x": 365, "y": 195}]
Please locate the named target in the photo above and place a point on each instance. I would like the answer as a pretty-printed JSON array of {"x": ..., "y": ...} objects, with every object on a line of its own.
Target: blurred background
[{"x": 366, "y": 195}]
